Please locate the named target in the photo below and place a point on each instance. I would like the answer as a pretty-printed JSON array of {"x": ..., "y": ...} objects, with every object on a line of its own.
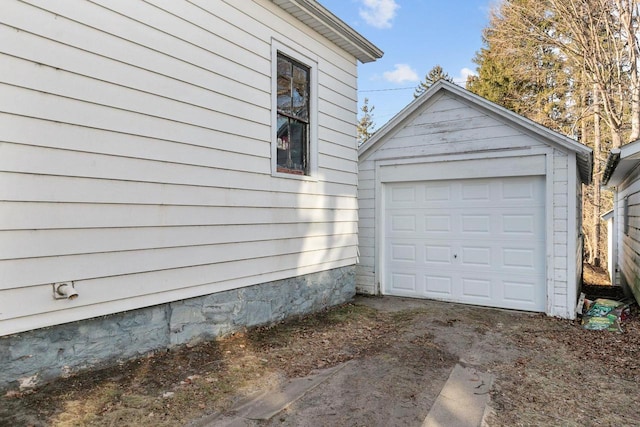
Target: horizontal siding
[
  {"x": 24, "y": 244},
  {"x": 28, "y": 215},
  {"x": 44, "y": 270},
  {"x": 191, "y": 148},
  {"x": 628, "y": 261},
  {"x": 135, "y": 155},
  {"x": 60, "y": 189}
]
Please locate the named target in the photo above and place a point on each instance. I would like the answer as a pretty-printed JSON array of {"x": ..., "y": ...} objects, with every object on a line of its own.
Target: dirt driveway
[{"x": 548, "y": 371}]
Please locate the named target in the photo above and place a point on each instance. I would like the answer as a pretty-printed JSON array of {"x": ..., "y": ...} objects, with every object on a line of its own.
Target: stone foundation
[{"x": 32, "y": 358}]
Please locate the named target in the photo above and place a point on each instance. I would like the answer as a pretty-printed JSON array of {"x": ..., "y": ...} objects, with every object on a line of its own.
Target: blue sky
[{"x": 415, "y": 35}]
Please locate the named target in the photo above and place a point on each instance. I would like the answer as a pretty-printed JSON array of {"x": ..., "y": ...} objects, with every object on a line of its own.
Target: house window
[{"x": 293, "y": 115}]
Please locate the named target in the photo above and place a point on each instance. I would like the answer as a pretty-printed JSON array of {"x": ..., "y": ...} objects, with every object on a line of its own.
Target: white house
[
  {"x": 621, "y": 175},
  {"x": 462, "y": 200},
  {"x": 185, "y": 167}
]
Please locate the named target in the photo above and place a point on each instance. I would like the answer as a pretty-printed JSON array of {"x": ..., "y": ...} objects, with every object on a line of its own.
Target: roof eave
[
  {"x": 620, "y": 162},
  {"x": 316, "y": 16}
]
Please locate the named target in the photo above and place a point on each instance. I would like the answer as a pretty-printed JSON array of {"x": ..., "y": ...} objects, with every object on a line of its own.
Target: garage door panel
[
  {"x": 403, "y": 194},
  {"x": 438, "y": 286},
  {"x": 519, "y": 224},
  {"x": 403, "y": 253},
  {"x": 471, "y": 241},
  {"x": 521, "y": 258},
  {"x": 475, "y": 256},
  {"x": 403, "y": 223},
  {"x": 475, "y": 191},
  {"x": 438, "y": 254},
  {"x": 437, "y": 223},
  {"x": 437, "y": 193},
  {"x": 475, "y": 224},
  {"x": 519, "y": 189},
  {"x": 404, "y": 282},
  {"x": 522, "y": 292},
  {"x": 477, "y": 289}
]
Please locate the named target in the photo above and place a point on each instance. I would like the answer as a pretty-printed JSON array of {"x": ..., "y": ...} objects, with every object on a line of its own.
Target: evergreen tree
[
  {"x": 522, "y": 74},
  {"x": 435, "y": 74},
  {"x": 365, "y": 123}
]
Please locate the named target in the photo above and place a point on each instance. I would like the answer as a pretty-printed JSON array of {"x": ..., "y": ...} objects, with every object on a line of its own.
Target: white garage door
[{"x": 476, "y": 241}]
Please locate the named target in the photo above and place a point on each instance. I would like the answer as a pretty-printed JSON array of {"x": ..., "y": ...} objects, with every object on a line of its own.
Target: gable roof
[
  {"x": 584, "y": 154},
  {"x": 620, "y": 162},
  {"x": 319, "y": 18}
]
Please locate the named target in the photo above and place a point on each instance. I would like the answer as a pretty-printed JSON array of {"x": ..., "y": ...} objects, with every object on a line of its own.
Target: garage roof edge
[{"x": 584, "y": 154}]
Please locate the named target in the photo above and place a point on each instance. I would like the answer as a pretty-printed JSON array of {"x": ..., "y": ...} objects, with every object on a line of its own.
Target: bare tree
[{"x": 365, "y": 123}]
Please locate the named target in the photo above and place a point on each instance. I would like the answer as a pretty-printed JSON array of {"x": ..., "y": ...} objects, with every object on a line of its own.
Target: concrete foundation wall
[{"x": 32, "y": 358}]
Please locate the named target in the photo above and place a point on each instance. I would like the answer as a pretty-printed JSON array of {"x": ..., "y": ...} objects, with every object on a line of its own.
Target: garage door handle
[{"x": 455, "y": 255}]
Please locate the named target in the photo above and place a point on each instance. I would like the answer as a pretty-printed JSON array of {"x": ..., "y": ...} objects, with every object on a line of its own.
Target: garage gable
[{"x": 447, "y": 114}]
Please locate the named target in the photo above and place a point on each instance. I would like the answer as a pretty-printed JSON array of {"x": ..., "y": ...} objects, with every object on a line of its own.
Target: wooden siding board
[
  {"x": 51, "y": 161},
  {"x": 31, "y": 103},
  {"x": 29, "y": 215},
  {"x": 335, "y": 103},
  {"x": 137, "y": 23},
  {"x": 337, "y": 163},
  {"x": 72, "y": 32},
  {"x": 341, "y": 126},
  {"x": 454, "y": 147},
  {"x": 38, "y": 49},
  {"x": 47, "y": 188},
  {"x": 345, "y": 139},
  {"x": 337, "y": 150},
  {"x": 191, "y": 107},
  {"x": 212, "y": 193},
  {"x": 17, "y": 244},
  {"x": 346, "y": 90},
  {"x": 445, "y": 140},
  {"x": 192, "y": 151},
  {"x": 19, "y": 273}
]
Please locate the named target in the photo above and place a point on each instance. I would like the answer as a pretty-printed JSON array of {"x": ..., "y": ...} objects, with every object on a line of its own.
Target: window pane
[
  {"x": 284, "y": 85},
  {"x": 301, "y": 93},
  {"x": 292, "y": 116},
  {"x": 284, "y": 97},
  {"x": 292, "y": 145},
  {"x": 284, "y": 67}
]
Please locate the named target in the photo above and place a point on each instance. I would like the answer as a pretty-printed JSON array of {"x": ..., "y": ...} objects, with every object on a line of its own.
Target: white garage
[{"x": 464, "y": 201}]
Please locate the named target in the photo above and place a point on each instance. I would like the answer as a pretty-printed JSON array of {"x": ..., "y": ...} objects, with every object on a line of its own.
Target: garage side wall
[
  {"x": 365, "y": 270},
  {"x": 628, "y": 229},
  {"x": 560, "y": 276}
]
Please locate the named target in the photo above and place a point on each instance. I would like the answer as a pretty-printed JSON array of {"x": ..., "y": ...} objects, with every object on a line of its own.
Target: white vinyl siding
[{"x": 135, "y": 156}]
